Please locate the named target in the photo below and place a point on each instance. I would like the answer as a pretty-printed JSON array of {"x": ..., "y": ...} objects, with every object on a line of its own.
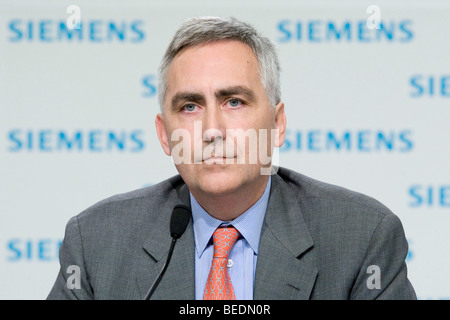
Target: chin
[
  {"x": 219, "y": 182},
  {"x": 214, "y": 179},
  {"x": 218, "y": 179}
]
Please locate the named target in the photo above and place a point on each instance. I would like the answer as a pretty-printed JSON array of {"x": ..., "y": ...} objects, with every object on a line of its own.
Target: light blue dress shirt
[{"x": 243, "y": 255}]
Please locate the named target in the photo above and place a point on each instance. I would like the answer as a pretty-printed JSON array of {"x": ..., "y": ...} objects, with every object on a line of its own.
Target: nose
[{"x": 213, "y": 124}]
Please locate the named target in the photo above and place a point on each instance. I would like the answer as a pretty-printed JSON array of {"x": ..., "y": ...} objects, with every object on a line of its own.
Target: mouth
[{"x": 219, "y": 160}]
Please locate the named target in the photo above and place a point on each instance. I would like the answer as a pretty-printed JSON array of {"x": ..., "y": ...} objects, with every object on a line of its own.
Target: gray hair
[{"x": 202, "y": 30}]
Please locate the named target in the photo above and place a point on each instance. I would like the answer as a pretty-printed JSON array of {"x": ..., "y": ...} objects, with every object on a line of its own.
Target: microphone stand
[
  {"x": 163, "y": 270},
  {"x": 178, "y": 222}
]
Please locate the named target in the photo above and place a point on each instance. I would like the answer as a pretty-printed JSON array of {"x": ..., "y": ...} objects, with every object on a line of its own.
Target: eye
[
  {"x": 189, "y": 107},
  {"x": 233, "y": 102}
]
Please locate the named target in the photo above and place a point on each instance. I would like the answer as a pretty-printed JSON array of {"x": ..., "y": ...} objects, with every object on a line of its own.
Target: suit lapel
[
  {"x": 179, "y": 280},
  {"x": 286, "y": 267}
]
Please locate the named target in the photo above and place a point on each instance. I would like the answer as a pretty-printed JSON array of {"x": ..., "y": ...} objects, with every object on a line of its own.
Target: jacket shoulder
[
  {"x": 140, "y": 203},
  {"x": 309, "y": 190}
]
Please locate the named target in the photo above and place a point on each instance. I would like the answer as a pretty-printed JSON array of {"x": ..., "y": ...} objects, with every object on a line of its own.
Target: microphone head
[{"x": 179, "y": 220}]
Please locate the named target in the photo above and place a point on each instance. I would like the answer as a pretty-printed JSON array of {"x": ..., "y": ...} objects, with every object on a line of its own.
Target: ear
[
  {"x": 280, "y": 123},
  {"x": 162, "y": 133}
]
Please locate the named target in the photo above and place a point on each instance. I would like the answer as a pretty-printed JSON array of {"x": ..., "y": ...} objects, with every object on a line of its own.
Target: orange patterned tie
[{"x": 218, "y": 286}]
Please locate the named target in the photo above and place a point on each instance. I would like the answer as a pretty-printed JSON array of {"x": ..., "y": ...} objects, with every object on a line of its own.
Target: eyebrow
[
  {"x": 236, "y": 90},
  {"x": 221, "y": 93},
  {"x": 186, "y": 96}
]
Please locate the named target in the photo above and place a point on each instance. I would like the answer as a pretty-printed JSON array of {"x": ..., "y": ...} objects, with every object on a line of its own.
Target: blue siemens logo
[
  {"x": 150, "y": 86},
  {"x": 348, "y": 141},
  {"x": 96, "y": 31},
  {"x": 421, "y": 196},
  {"x": 410, "y": 254},
  {"x": 32, "y": 249},
  {"x": 48, "y": 140},
  {"x": 430, "y": 86},
  {"x": 324, "y": 31}
]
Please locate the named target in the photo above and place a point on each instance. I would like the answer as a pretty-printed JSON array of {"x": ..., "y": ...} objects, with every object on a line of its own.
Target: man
[{"x": 284, "y": 235}]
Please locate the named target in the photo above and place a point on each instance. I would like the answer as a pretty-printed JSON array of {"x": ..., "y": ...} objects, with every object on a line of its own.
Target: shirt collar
[{"x": 248, "y": 224}]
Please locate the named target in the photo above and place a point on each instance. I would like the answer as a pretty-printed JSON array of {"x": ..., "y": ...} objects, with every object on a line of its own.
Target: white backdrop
[{"x": 368, "y": 109}]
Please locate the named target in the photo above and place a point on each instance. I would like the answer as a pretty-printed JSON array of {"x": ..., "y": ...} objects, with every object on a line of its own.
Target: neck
[{"x": 227, "y": 207}]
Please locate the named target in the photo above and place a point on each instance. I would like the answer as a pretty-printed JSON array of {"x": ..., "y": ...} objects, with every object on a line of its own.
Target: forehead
[
  {"x": 222, "y": 63},
  {"x": 233, "y": 49}
]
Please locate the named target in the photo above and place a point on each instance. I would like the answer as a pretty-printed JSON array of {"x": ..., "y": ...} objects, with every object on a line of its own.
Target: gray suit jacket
[{"x": 317, "y": 242}]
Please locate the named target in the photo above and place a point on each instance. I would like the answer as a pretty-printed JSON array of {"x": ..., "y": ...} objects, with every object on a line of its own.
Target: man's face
[{"x": 216, "y": 102}]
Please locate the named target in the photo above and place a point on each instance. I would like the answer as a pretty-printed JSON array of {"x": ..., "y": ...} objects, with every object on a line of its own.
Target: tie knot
[{"x": 224, "y": 239}]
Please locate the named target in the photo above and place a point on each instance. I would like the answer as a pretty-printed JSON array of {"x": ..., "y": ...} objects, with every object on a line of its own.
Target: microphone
[{"x": 179, "y": 220}]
